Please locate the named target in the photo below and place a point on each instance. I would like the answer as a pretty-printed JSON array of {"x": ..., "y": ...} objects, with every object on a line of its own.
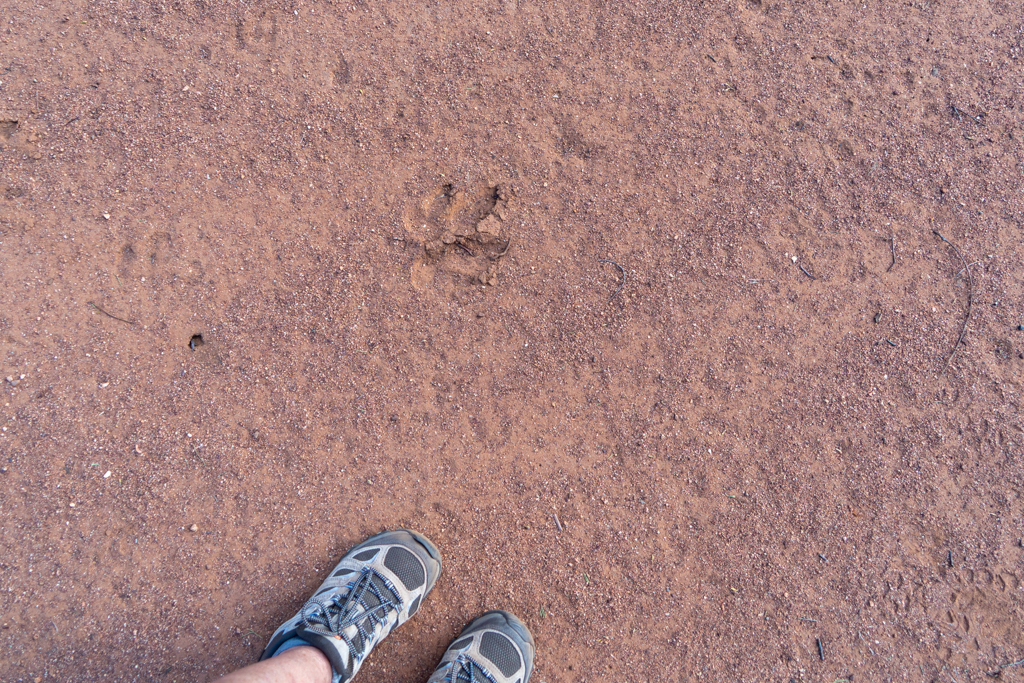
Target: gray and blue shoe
[
  {"x": 375, "y": 588},
  {"x": 496, "y": 647}
]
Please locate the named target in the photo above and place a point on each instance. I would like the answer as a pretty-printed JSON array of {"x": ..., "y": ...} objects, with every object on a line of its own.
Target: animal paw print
[{"x": 463, "y": 232}]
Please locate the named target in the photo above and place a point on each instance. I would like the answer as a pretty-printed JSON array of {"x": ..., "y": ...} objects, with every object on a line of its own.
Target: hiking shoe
[
  {"x": 377, "y": 586},
  {"x": 495, "y": 648}
]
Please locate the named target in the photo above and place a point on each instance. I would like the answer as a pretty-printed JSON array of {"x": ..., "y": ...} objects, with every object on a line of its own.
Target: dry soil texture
[{"x": 636, "y": 309}]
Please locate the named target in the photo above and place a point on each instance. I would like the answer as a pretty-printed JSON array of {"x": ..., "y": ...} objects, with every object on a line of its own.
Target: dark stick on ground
[
  {"x": 504, "y": 251},
  {"x": 621, "y": 270},
  {"x": 558, "y": 523},
  {"x": 821, "y": 649},
  {"x": 960, "y": 113},
  {"x": 111, "y": 315},
  {"x": 962, "y": 269},
  {"x": 890, "y": 343},
  {"x": 998, "y": 671},
  {"x": 830, "y": 59},
  {"x": 807, "y": 274},
  {"x": 464, "y": 248},
  {"x": 970, "y": 299},
  {"x": 712, "y": 59},
  {"x": 892, "y": 246},
  {"x": 1007, "y": 666}
]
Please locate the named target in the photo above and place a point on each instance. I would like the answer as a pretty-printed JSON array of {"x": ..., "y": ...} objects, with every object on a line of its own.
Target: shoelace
[
  {"x": 463, "y": 669},
  {"x": 329, "y": 617}
]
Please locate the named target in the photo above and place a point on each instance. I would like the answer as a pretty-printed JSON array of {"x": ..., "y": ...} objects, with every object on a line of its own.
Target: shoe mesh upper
[
  {"x": 406, "y": 567},
  {"x": 501, "y": 651},
  {"x": 365, "y": 555},
  {"x": 459, "y": 644}
]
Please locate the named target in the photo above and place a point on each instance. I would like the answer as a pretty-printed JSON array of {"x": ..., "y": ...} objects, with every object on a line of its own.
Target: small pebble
[
  {"x": 194, "y": 527},
  {"x": 1020, "y": 328}
]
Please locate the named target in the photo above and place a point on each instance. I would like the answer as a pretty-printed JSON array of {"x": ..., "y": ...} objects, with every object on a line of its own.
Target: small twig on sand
[
  {"x": 621, "y": 270},
  {"x": 995, "y": 673},
  {"x": 505, "y": 251},
  {"x": 960, "y": 272},
  {"x": 892, "y": 246},
  {"x": 970, "y": 299},
  {"x": 111, "y": 315},
  {"x": 821, "y": 649},
  {"x": 807, "y": 274},
  {"x": 558, "y": 523},
  {"x": 960, "y": 113}
]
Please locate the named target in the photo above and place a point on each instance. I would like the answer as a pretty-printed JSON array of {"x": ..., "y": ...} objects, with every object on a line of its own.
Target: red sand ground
[{"x": 745, "y": 459}]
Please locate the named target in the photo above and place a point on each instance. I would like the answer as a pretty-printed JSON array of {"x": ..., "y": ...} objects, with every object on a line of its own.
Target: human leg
[{"x": 303, "y": 664}]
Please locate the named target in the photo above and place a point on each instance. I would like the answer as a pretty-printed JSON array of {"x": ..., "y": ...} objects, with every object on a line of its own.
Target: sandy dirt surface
[{"x": 635, "y": 309}]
